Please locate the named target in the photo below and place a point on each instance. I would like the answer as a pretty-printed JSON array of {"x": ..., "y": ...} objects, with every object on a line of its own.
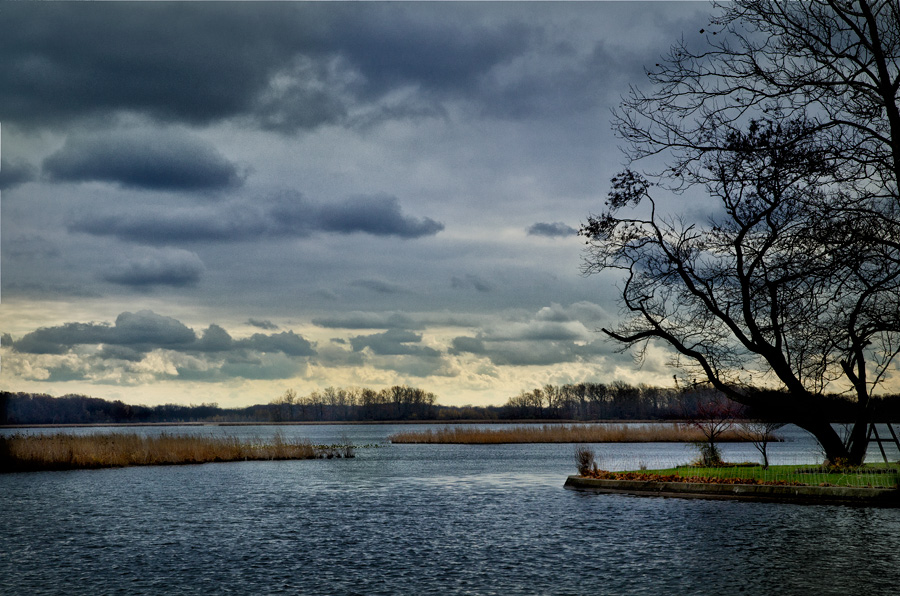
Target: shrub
[
  {"x": 710, "y": 456},
  {"x": 584, "y": 459}
]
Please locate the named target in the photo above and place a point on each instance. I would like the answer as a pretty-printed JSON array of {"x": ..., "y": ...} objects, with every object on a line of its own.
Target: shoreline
[
  {"x": 805, "y": 494},
  {"x": 337, "y": 422}
]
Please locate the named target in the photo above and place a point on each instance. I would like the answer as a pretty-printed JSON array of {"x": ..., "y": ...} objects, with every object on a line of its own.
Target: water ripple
[{"x": 420, "y": 520}]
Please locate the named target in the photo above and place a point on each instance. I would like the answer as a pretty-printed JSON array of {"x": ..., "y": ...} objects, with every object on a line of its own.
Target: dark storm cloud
[
  {"x": 171, "y": 267},
  {"x": 146, "y": 328},
  {"x": 58, "y": 340},
  {"x": 286, "y": 66},
  {"x": 214, "y": 339},
  {"x": 290, "y": 215},
  {"x": 262, "y": 324},
  {"x": 114, "y": 352},
  {"x": 470, "y": 281},
  {"x": 379, "y": 215},
  {"x": 61, "y": 374},
  {"x": 393, "y": 342},
  {"x": 155, "y": 225},
  {"x": 180, "y": 62},
  {"x": 14, "y": 173},
  {"x": 136, "y": 330},
  {"x": 552, "y": 230},
  {"x": 286, "y": 342},
  {"x": 154, "y": 160},
  {"x": 135, "y": 334},
  {"x": 467, "y": 345},
  {"x": 436, "y": 47}
]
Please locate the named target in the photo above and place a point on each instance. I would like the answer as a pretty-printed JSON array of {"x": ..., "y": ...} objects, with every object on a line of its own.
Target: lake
[{"x": 425, "y": 519}]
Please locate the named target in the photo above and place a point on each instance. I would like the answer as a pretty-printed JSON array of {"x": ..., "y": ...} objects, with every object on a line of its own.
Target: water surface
[{"x": 424, "y": 519}]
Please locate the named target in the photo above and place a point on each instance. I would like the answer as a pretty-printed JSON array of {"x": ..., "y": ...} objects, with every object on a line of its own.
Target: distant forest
[{"x": 581, "y": 402}]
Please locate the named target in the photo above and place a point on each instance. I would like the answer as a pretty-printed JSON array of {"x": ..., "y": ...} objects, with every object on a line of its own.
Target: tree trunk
[
  {"x": 858, "y": 442},
  {"x": 828, "y": 438}
]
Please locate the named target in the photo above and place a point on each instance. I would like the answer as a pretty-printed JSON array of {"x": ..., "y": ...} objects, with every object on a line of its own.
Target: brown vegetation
[
  {"x": 654, "y": 477},
  {"x": 62, "y": 451},
  {"x": 574, "y": 433}
]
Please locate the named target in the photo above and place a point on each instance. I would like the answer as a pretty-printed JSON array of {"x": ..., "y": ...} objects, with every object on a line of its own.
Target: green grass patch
[{"x": 866, "y": 476}]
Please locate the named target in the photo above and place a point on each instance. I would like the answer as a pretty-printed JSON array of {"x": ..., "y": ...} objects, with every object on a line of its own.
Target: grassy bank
[
  {"x": 62, "y": 451},
  {"x": 867, "y": 476},
  {"x": 575, "y": 433}
]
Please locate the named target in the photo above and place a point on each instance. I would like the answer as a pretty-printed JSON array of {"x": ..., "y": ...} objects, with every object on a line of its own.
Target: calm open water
[{"x": 421, "y": 519}]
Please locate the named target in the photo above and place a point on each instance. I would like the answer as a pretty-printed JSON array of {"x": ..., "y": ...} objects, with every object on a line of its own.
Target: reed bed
[
  {"x": 62, "y": 451},
  {"x": 561, "y": 433}
]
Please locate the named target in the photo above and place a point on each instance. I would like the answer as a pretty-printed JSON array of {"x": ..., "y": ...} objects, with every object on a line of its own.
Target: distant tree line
[
  {"x": 621, "y": 401},
  {"x": 353, "y": 404},
  {"x": 38, "y": 408},
  {"x": 581, "y": 401}
]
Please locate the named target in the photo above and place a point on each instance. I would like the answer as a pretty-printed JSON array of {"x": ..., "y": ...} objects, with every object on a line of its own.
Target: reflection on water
[{"x": 424, "y": 519}]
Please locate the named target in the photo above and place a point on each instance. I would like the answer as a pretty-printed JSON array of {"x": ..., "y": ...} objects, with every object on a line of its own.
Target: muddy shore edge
[{"x": 817, "y": 495}]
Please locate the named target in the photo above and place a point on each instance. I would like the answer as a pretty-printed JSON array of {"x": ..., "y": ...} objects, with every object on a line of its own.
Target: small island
[{"x": 869, "y": 484}]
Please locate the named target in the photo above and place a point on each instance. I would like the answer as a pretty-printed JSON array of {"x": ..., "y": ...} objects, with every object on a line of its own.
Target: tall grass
[
  {"x": 561, "y": 433},
  {"x": 64, "y": 451}
]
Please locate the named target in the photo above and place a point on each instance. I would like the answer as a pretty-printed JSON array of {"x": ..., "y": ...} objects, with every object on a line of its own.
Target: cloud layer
[
  {"x": 367, "y": 193},
  {"x": 146, "y": 159},
  {"x": 288, "y": 215},
  {"x": 145, "y": 331}
]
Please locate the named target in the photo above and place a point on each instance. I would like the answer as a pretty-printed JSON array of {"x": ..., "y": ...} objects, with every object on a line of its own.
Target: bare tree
[
  {"x": 713, "y": 416},
  {"x": 290, "y": 398},
  {"x": 789, "y": 118},
  {"x": 760, "y": 433}
]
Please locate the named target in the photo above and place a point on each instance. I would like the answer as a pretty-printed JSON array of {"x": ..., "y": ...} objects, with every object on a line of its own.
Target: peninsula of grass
[
  {"x": 867, "y": 476},
  {"x": 62, "y": 451},
  {"x": 561, "y": 433}
]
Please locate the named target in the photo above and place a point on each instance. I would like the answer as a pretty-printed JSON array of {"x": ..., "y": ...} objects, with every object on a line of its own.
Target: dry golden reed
[
  {"x": 64, "y": 451},
  {"x": 575, "y": 433}
]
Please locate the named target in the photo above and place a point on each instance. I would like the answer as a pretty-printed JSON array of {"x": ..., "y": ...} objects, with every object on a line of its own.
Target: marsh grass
[
  {"x": 62, "y": 451},
  {"x": 867, "y": 476},
  {"x": 560, "y": 433}
]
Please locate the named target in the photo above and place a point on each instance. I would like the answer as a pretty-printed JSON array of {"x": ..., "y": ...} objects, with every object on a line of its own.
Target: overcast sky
[{"x": 216, "y": 202}]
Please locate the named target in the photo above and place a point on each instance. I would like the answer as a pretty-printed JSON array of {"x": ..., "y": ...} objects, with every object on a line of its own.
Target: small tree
[
  {"x": 713, "y": 417},
  {"x": 760, "y": 433}
]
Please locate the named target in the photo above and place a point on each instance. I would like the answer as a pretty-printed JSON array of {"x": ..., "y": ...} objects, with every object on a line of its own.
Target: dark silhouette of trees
[
  {"x": 789, "y": 118},
  {"x": 581, "y": 401},
  {"x": 354, "y": 404}
]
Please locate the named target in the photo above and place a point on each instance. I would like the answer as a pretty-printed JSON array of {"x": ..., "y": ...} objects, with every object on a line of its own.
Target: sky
[{"x": 215, "y": 202}]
